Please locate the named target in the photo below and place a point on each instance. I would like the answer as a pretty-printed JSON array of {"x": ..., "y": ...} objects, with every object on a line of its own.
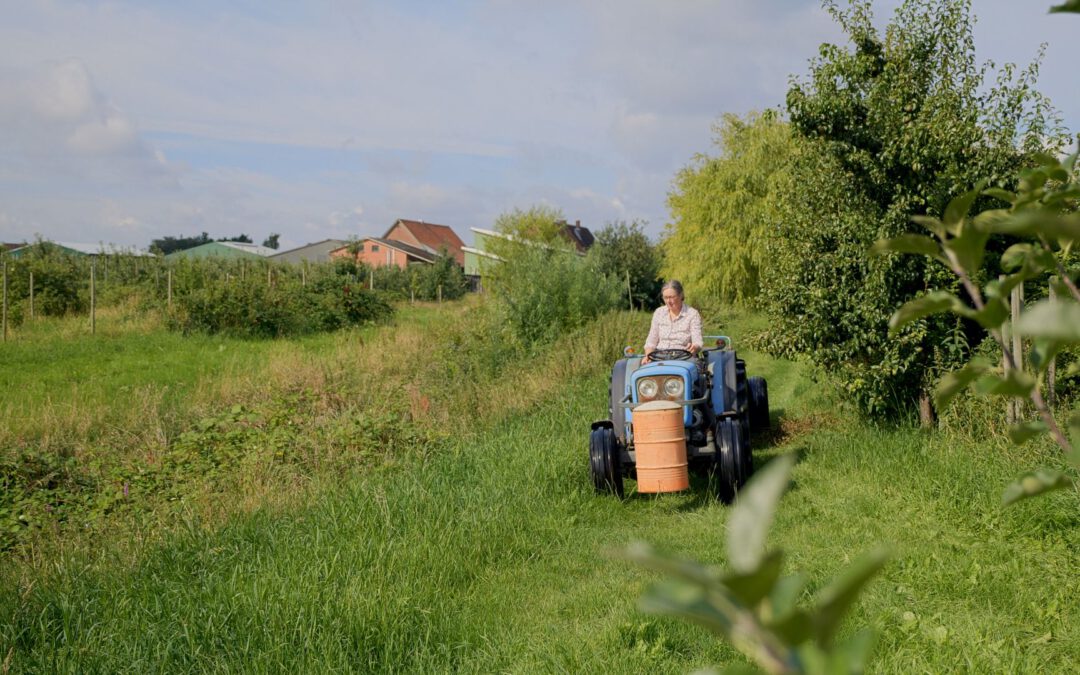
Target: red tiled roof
[{"x": 433, "y": 236}]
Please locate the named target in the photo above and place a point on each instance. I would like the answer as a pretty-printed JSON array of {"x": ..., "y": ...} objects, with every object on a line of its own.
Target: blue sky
[{"x": 124, "y": 121}]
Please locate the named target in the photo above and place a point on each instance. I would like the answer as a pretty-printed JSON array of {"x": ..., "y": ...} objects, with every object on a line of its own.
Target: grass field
[{"x": 487, "y": 551}]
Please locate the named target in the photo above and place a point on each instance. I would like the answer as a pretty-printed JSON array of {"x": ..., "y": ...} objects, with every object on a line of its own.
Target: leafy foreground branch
[
  {"x": 752, "y": 605},
  {"x": 1043, "y": 214}
]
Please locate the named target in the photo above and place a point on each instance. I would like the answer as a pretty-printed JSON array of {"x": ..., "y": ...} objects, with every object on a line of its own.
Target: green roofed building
[{"x": 224, "y": 249}]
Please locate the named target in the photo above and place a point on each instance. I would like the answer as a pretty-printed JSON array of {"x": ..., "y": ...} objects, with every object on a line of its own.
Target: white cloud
[{"x": 452, "y": 114}]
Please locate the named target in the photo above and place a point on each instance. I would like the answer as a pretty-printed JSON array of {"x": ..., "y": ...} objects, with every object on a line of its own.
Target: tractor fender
[
  {"x": 724, "y": 382},
  {"x": 620, "y": 375}
]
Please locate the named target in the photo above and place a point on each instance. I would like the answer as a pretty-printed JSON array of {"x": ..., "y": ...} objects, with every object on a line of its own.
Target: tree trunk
[{"x": 927, "y": 418}]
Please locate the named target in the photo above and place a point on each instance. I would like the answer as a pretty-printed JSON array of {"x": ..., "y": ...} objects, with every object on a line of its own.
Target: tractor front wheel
[{"x": 605, "y": 462}]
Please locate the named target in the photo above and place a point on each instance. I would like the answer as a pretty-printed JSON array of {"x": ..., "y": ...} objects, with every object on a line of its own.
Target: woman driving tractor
[{"x": 675, "y": 326}]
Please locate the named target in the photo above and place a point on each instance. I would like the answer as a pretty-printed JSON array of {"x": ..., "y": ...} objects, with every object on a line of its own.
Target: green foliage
[
  {"x": 541, "y": 285},
  {"x": 540, "y": 224},
  {"x": 167, "y": 245},
  {"x": 621, "y": 251},
  {"x": 1043, "y": 212},
  {"x": 751, "y": 605},
  {"x": 60, "y": 282},
  {"x": 256, "y": 309},
  {"x": 724, "y": 208},
  {"x": 442, "y": 279},
  {"x": 895, "y": 127},
  {"x": 542, "y": 293}
]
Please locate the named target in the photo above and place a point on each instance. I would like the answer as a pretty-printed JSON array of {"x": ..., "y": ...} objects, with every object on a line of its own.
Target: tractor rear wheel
[
  {"x": 759, "y": 403},
  {"x": 733, "y": 463},
  {"x": 605, "y": 462}
]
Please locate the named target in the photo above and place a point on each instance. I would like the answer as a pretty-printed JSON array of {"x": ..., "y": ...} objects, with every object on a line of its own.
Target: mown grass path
[{"x": 492, "y": 555}]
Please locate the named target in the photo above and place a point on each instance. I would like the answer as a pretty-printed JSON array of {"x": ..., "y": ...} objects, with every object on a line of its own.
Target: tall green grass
[{"x": 490, "y": 553}]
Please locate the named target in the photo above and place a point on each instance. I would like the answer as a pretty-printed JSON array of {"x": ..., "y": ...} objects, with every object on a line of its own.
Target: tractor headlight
[
  {"x": 674, "y": 387},
  {"x": 647, "y": 388}
]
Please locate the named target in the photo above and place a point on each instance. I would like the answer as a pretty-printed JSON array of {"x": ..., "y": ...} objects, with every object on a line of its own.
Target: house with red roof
[
  {"x": 429, "y": 237},
  {"x": 405, "y": 243}
]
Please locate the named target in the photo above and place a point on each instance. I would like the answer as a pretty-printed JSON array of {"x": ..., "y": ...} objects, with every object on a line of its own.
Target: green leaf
[
  {"x": 958, "y": 208},
  {"x": 931, "y": 223},
  {"x": 689, "y": 601},
  {"x": 998, "y": 193},
  {"x": 853, "y": 654},
  {"x": 793, "y": 628},
  {"x": 1070, "y": 6},
  {"x": 934, "y": 302},
  {"x": 955, "y": 382},
  {"x": 751, "y": 587},
  {"x": 753, "y": 513},
  {"x": 1034, "y": 483},
  {"x": 1000, "y": 289},
  {"x": 1022, "y": 433},
  {"x": 784, "y": 596},
  {"x": 1016, "y": 384},
  {"x": 835, "y": 600},
  {"x": 1043, "y": 352},
  {"x": 994, "y": 313},
  {"x": 1054, "y": 320},
  {"x": 1014, "y": 256},
  {"x": 1035, "y": 222},
  {"x": 908, "y": 243},
  {"x": 687, "y": 570},
  {"x": 969, "y": 246}
]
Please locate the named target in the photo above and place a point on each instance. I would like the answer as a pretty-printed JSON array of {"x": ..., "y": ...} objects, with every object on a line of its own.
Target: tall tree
[
  {"x": 724, "y": 207},
  {"x": 891, "y": 128},
  {"x": 272, "y": 241},
  {"x": 623, "y": 252},
  {"x": 167, "y": 245}
]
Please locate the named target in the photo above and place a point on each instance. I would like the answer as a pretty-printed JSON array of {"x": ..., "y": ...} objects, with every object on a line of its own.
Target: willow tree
[{"x": 723, "y": 207}]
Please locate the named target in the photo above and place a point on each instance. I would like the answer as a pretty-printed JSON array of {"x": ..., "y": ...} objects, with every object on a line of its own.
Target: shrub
[
  {"x": 542, "y": 292},
  {"x": 259, "y": 310}
]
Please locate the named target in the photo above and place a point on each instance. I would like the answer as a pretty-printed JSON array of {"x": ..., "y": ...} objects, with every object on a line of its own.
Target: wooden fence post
[
  {"x": 93, "y": 300},
  {"x": 440, "y": 294},
  {"x": 371, "y": 279},
  {"x": 31, "y": 295},
  {"x": 1006, "y": 330},
  {"x": 1016, "y": 411},
  {"x": 5, "y": 302},
  {"x": 168, "y": 280},
  {"x": 269, "y": 276},
  {"x": 629, "y": 292},
  {"x": 303, "y": 274},
  {"x": 1051, "y": 368}
]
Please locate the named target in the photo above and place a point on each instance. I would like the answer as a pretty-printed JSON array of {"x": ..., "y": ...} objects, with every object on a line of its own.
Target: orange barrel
[{"x": 660, "y": 446}]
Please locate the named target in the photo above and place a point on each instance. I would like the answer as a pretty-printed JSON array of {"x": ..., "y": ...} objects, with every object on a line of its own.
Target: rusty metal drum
[{"x": 660, "y": 447}]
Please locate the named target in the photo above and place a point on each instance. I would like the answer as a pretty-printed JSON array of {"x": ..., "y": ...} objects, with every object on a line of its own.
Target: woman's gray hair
[{"x": 674, "y": 285}]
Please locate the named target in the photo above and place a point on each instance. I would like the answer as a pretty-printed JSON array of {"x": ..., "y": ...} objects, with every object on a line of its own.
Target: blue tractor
[{"x": 721, "y": 406}]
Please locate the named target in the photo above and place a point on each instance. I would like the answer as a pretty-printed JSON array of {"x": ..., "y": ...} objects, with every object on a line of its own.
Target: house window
[{"x": 374, "y": 248}]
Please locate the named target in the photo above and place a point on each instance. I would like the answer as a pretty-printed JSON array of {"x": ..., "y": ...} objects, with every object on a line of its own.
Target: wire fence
[{"x": 47, "y": 281}]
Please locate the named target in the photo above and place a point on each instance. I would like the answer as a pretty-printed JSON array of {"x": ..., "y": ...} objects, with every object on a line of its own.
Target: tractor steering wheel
[{"x": 671, "y": 355}]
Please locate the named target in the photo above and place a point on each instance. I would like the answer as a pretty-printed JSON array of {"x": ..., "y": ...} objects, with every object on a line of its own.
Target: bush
[
  {"x": 543, "y": 292},
  {"x": 61, "y": 283},
  {"x": 256, "y": 309},
  {"x": 442, "y": 279}
]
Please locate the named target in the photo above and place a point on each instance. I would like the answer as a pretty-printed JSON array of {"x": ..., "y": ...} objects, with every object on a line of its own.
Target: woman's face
[{"x": 673, "y": 300}]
